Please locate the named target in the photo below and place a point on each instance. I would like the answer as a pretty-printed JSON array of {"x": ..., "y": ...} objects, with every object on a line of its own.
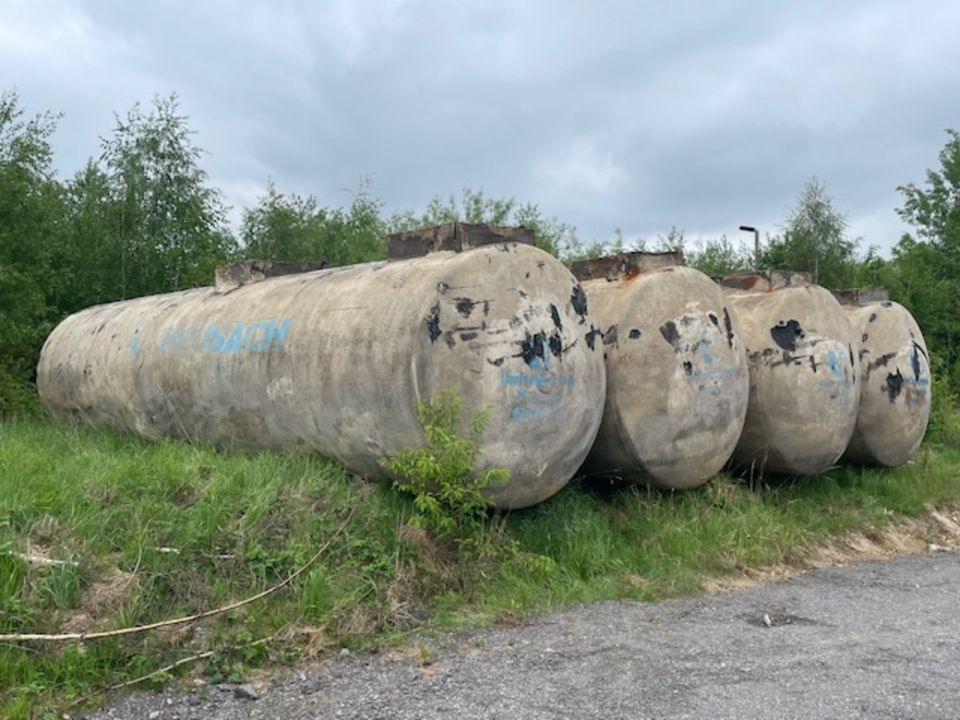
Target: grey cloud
[{"x": 632, "y": 115}]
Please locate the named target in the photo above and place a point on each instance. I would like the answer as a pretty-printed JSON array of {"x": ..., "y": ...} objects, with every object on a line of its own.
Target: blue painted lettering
[{"x": 255, "y": 336}]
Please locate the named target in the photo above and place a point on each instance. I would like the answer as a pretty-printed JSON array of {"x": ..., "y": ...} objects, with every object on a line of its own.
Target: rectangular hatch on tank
[
  {"x": 764, "y": 281},
  {"x": 246, "y": 272},
  {"x": 625, "y": 265},
  {"x": 861, "y": 296},
  {"x": 455, "y": 236}
]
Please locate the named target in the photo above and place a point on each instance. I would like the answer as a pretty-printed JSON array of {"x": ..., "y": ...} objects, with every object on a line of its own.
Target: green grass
[{"x": 192, "y": 528}]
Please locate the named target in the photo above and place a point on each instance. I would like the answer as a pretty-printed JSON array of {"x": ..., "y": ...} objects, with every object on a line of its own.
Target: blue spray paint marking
[
  {"x": 529, "y": 379},
  {"x": 252, "y": 336},
  {"x": 532, "y": 405},
  {"x": 834, "y": 364},
  {"x": 919, "y": 395},
  {"x": 703, "y": 347},
  {"x": 135, "y": 343},
  {"x": 837, "y": 364}
]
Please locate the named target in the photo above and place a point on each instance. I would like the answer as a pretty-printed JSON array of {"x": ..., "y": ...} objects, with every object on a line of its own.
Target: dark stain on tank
[
  {"x": 873, "y": 316},
  {"x": 448, "y": 339},
  {"x": 886, "y": 303},
  {"x": 893, "y": 385},
  {"x": 591, "y": 336},
  {"x": 728, "y": 326},
  {"x": 527, "y": 275},
  {"x": 785, "y": 334},
  {"x": 464, "y": 306},
  {"x": 850, "y": 350},
  {"x": 486, "y": 308},
  {"x": 688, "y": 367},
  {"x": 433, "y": 323},
  {"x": 555, "y": 315},
  {"x": 515, "y": 322},
  {"x": 882, "y": 360},
  {"x": 532, "y": 347},
  {"x": 915, "y": 363},
  {"x": 670, "y": 333},
  {"x": 522, "y": 294},
  {"x": 635, "y": 333},
  {"x": 578, "y": 299},
  {"x": 468, "y": 336},
  {"x": 556, "y": 345},
  {"x": 540, "y": 264},
  {"x": 864, "y": 337},
  {"x": 442, "y": 287},
  {"x": 714, "y": 319},
  {"x": 610, "y": 336},
  {"x": 496, "y": 363},
  {"x": 813, "y": 363},
  {"x": 767, "y": 357}
]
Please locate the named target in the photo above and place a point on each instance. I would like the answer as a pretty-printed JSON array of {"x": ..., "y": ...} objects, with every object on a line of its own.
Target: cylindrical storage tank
[
  {"x": 336, "y": 361},
  {"x": 804, "y": 378},
  {"x": 895, "y": 387},
  {"x": 677, "y": 378}
]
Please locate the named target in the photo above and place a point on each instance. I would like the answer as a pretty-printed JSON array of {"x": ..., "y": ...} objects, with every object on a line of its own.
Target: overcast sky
[{"x": 638, "y": 115}]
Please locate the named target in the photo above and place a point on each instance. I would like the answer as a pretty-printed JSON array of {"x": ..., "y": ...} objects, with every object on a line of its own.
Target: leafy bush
[
  {"x": 448, "y": 492},
  {"x": 944, "y": 427}
]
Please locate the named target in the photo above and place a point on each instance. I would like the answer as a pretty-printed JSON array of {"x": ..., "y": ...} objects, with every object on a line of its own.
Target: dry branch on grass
[{"x": 68, "y": 637}]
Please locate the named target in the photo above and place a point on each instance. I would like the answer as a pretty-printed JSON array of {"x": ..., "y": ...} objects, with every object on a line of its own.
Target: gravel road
[{"x": 877, "y": 640}]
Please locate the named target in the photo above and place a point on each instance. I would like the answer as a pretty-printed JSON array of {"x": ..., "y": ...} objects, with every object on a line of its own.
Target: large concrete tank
[
  {"x": 677, "y": 378},
  {"x": 895, "y": 374},
  {"x": 335, "y": 360},
  {"x": 804, "y": 374}
]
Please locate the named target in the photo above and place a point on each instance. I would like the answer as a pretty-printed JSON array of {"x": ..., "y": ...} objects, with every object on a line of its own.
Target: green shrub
[
  {"x": 448, "y": 492},
  {"x": 944, "y": 427}
]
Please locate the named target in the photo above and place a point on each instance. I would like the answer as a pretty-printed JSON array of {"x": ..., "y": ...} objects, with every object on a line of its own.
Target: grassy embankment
[{"x": 140, "y": 531}]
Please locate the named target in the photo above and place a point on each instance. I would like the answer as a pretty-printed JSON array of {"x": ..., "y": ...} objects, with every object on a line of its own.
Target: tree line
[{"x": 142, "y": 217}]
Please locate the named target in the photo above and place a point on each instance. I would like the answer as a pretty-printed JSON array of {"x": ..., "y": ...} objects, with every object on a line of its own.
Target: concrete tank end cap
[
  {"x": 455, "y": 236},
  {"x": 624, "y": 265}
]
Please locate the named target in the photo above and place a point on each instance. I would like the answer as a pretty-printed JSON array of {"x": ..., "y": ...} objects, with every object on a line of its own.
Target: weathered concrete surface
[
  {"x": 804, "y": 380},
  {"x": 677, "y": 378},
  {"x": 895, "y": 387},
  {"x": 878, "y": 641},
  {"x": 336, "y": 360}
]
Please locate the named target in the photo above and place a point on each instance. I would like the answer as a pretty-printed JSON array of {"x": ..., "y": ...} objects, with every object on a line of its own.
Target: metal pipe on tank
[
  {"x": 335, "y": 360},
  {"x": 677, "y": 379}
]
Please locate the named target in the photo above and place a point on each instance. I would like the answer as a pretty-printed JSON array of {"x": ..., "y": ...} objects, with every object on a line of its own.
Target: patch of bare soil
[
  {"x": 937, "y": 529},
  {"x": 100, "y": 600}
]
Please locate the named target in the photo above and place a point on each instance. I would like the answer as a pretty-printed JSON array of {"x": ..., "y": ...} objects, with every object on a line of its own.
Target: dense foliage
[{"x": 143, "y": 217}]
